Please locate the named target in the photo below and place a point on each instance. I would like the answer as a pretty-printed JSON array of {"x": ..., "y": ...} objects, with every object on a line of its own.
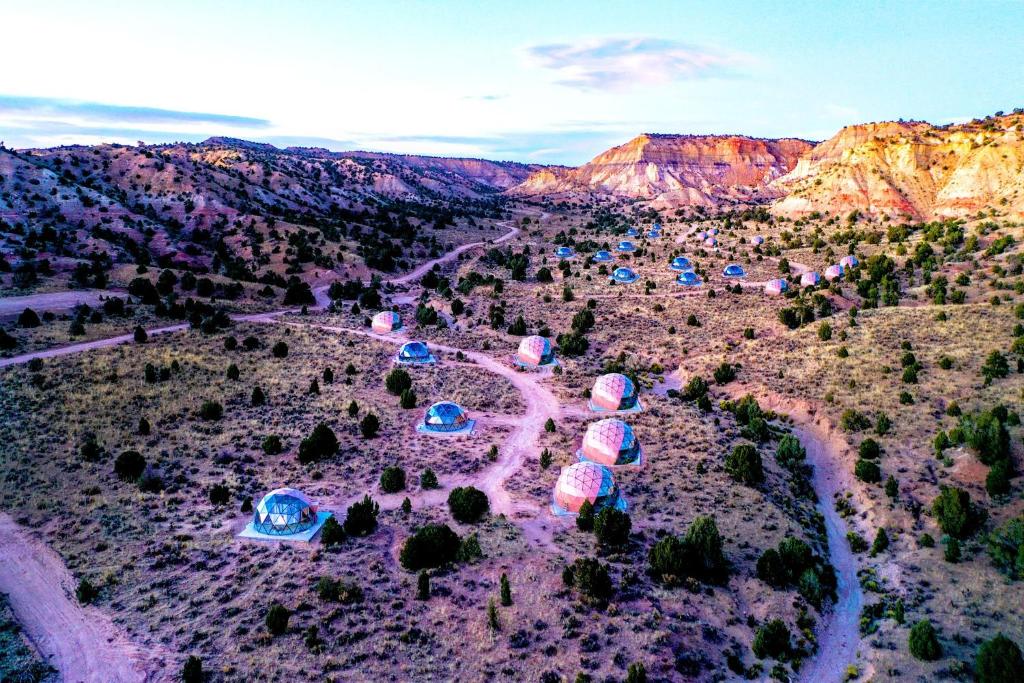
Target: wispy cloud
[
  {"x": 619, "y": 63},
  {"x": 60, "y": 109}
]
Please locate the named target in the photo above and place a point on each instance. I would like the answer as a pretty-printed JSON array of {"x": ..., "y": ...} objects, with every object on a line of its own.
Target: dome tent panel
[
  {"x": 446, "y": 417},
  {"x": 849, "y": 261},
  {"x": 602, "y": 256},
  {"x": 415, "y": 352},
  {"x": 810, "y": 279},
  {"x": 611, "y": 442},
  {"x": 688, "y": 278},
  {"x": 626, "y": 245},
  {"x": 285, "y": 514},
  {"x": 624, "y": 275},
  {"x": 613, "y": 392},
  {"x": 585, "y": 482},
  {"x": 535, "y": 351},
  {"x": 833, "y": 272},
  {"x": 386, "y": 321},
  {"x": 734, "y": 270},
  {"x": 680, "y": 263},
  {"x": 564, "y": 252}
]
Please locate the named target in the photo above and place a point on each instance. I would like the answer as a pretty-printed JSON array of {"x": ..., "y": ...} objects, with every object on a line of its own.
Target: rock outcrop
[
  {"x": 911, "y": 170},
  {"x": 676, "y": 170}
]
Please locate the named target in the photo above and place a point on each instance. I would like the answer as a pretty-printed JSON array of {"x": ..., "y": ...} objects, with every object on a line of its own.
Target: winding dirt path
[
  {"x": 80, "y": 642},
  {"x": 54, "y": 301}
]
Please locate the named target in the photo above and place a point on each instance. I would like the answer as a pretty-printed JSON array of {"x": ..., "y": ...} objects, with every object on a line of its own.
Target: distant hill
[{"x": 675, "y": 170}]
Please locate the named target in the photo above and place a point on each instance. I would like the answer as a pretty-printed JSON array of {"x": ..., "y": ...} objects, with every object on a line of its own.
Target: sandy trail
[{"x": 80, "y": 642}]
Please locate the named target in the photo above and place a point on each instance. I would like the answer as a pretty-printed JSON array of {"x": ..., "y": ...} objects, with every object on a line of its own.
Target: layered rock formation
[
  {"x": 911, "y": 169},
  {"x": 676, "y": 170}
]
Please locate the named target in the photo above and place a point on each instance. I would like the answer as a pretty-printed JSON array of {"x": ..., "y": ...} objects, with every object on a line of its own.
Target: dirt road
[
  {"x": 11, "y": 306},
  {"x": 80, "y": 642}
]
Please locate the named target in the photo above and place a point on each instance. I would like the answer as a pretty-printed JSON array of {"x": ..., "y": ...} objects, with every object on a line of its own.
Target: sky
[{"x": 540, "y": 82}]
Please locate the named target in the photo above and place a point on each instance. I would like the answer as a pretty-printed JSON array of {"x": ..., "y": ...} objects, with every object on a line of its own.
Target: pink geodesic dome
[
  {"x": 756, "y": 240},
  {"x": 613, "y": 392},
  {"x": 610, "y": 442},
  {"x": 810, "y": 279},
  {"x": 711, "y": 242},
  {"x": 849, "y": 261},
  {"x": 833, "y": 273},
  {"x": 386, "y": 321},
  {"x": 534, "y": 350},
  {"x": 776, "y": 286},
  {"x": 585, "y": 481}
]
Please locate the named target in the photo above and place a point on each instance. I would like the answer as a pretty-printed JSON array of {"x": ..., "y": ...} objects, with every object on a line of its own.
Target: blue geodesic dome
[
  {"x": 284, "y": 511},
  {"x": 632, "y": 232},
  {"x": 624, "y": 274},
  {"x": 602, "y": 256},
  {"x": 688, "y": 278},
  {"x": 413, "y": 351},
  {"x": 564, "y": 252},
  {"x": 626, "y": 245},
  {"x": 680, "y": 263},
  {"x": 734, "y": 270},
  {"x": 445, "y": 417}
]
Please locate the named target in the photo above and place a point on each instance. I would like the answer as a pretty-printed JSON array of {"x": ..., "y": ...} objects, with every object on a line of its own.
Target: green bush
[
  {"x": 369, "y": 426},
  {"x": 192, "y": 672},
  {"x": 585, "y": 517},
  {"x": 986, "y": 434},
  {"x": 129, "y": 466},
  {"x": 744, "y": 465},
  {"x": 428, "y": 480},
  {"x": 955, "y": 513},
  {"x": 280, "y": 350},
  {"x": 1006, "y": 547},
  {"x": 468, "y": 504},
  {"x": 220, "y": 494},
  {"x": 332, "y": 533},
  {"x": 277, "y": 619},
  {"x": 433, "y": 545},
  {"x": 869, "y": 449},
  {"x": 853, "y": 421},
  {"x": 397, "y": 381},
  {"x": 590, "y": 578},
  {"x": 999, "y": 661},
  {"x": 724, "y": 373},
  {"x": 997, "y": 482},
  {"x": 867, "y": 471},
  {"x": 771, "y": 640},
  {"x": 392, "y": 479},
  {"x": 361, "y": 518},
  {"x": 612, "y": 527},
  {"x": 211, "y": 410},
  {"x": 923, "y": 641},
  {"x": 320, "y": 444},
  {"x": 85, "y": 592},
  {"x": 272, "y": 445}
]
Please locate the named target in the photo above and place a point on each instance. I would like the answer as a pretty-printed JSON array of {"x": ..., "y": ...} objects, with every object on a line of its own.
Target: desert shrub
[
  {"x": 585, "y": 517},
  {"x": 29, "y": 318},
  {"x": 332, "y": 533},
  {"x": 612, "y": 527},
  {"x": 280, "y": 350},
  {"x": 361, "y": 517},
  {"x": 320, "y": 444},
  {"x": 433, "y": 545},
  {"x": 272, "y": 445},
  {"x": 853, "y": 421},
  {"x": 86, "y": 593},
  {"x": 881, "y": 542},
  {"x": 369, "y": 426},
  {"x": 129, "y": 466},
  {"x": 232, "y": 372},
  {"x": 337, "y": 590},
  {"x": 869, "y": 449},
  {"x": 192, "y": 672},
  {"x": 771, "y": 570},
  {"x": 744, "y": 465},
  {"x": 144, "y": 427},
  {"x": 1006, "y": 547},
  {"x": 986, "y": 434},
  {"x": 397, "y": 381},
  {"x": 997, "y": 482},
  {"x": 995, "y": 367},
  {"x": 695, "y": 388},
  {"x": 867, "y": 471},
  {"x": 219, "y": 494},
  {"x": 392, "y": 479},
  {"x": 697, "y": 555},
  {"x": 428, "y": 480},
  {"x": 999, "y": 661},
  {"x": 923, "y": 641},
  {"x": 211, "y": 410},
  {"x": 257, "y": 398},
  {"x": 771, "y": 640},
  {"x": 790, "y": 452},
  {"x": 590, "y": 578},
  {"x": 955, "y": 513},
  {"x": 468, "y": 504},
  {"x": 407, "y": 400},
  {"x": 277, "y": 619},
  {"x": 139, "y": 335},
  {"x": 724, "y": 373}
]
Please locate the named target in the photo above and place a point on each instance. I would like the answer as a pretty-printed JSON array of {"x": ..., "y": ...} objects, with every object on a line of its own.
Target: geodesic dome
[
  {"x": 702, "y": 235},
  {"x": 564, "y": 252},
  {"x": 776, "y": 286},
  {"x": 414, "y": 352},
  {"x": 535, "y": 350},
  {"x": 756, "y": 240},
  {"x": 653, "y": 234},
  {"x": 656, "y": 227},
  {"x": 602, "y": 256},
  {"x": 624, "y": 274},
  {"x": 713, "y": 231},
  {"x": 833, "y": 272},
  {"x": 688, "y": 278},
  {"x": 849, "y": 261},
  {"x": 734, "y": 270},
  {"x": 610, "y": 442},
  {"x": 445, "y": 416},
  {"x": 810, "y": 279},
  {"x": 585, "y": 481},
  {"x": 680, "y": 263},
  {"x": 284, "y": 511},
  {"x": 626, "y": 245},
  {"x": 711, "y": 242},
  {"x": 386, "y": 321},
  {"x": 613, "y": 391},
  {"x": 632, "y": 232}
]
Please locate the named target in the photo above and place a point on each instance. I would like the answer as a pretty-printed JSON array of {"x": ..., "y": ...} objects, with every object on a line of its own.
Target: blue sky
[{"x": 546, "y": 82}]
